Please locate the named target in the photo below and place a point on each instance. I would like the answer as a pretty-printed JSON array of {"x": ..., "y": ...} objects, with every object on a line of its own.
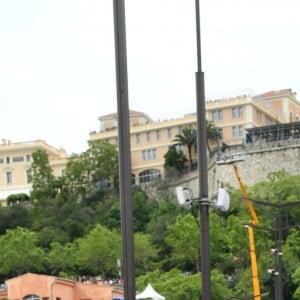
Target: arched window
[
  {"x": 149, "y": 175},
  {"x": 31, "y": 297}
]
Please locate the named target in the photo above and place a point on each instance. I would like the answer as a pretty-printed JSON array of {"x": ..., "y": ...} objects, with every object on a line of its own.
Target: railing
[{"x": 261, "y": 144}]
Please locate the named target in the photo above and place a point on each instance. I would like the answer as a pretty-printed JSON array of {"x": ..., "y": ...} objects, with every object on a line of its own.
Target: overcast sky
[{"x": 57, "y": 60}]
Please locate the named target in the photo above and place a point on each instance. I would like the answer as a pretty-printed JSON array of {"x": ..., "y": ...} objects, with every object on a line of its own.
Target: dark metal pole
[
  {"x": 278, "y": 255},
  {"x": 124, "y": 150},
  {"x": 202, "y": 167}
]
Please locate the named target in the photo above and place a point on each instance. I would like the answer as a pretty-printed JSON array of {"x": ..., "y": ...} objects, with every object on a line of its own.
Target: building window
[
  {"x": 144, "y": 153},
  {"x": 8, "y": 177},
  {"x": 179, "y": 148},
  {"x": 148, "y": 136},
  {"x": 170, "y": 133},
  {"x": 137, "y": 138},
  {"x": 7, "y": 160},
  {"x": 269, "y": 121},
  {"x": 220, "y": 130},
  {"x": 1, "y": 161},
  {"x": 28, "y": 158},
  {"x": 158, "y": 135},
  {"x": 149, "y": 175},
  {"x": 237, "y": 112},
  {"x": 18, "y": 159},
  {"x": 149, "y": 154},
  {"x": 217, "y": 115},
  {"x": 29, "y": 175},
  {"x": 237, "y": 131},
  {"x": 180, "y": 130},
  {"x": 258, "y": 115}
]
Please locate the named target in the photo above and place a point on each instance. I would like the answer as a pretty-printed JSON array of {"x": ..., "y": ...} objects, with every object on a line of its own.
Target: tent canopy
[{"x": 149, "y": 292}]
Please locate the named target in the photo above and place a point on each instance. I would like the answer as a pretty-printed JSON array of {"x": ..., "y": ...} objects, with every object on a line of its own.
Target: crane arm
[{"x": 254, "y": 220}]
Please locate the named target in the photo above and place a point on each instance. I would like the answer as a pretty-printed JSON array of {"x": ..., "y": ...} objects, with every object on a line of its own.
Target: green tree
[
  {"x": 296, "y": 281},
  {"x": 176, "y": 285},
  {"x": 212, "y": 135},
  {"x": 98, "y": 252},
  {"x": 93, "y": 170},
  {"x": 13, "y": 216},
  {"x": 188, "y": 138},
  {"x": 42, "y": 176},
  {"x": 61, "y": 259},
  {"x": 145, "y": 253},
  {"x": 164, "y": 215},
  {"x": 142, "y": 209},
  {"x": 19, "y": 252},
  {"x": 174, "y": 159},
  {"x": 183, "y": 235},
  {"x": 67, "y": 207}
]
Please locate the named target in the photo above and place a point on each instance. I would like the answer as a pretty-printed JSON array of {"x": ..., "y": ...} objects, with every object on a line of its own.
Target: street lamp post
[
  {"x": 202, "y": 167},
  {"x": 124, "y": 151}
]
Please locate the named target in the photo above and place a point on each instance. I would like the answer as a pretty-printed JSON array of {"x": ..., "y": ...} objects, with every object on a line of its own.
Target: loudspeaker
[
  {"x": 184, "y": 196},
  {"x": 223, "y": 200}
]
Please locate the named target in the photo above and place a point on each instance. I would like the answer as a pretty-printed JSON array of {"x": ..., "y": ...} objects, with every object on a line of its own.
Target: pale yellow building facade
[
  {"x": 15, "y": 165},
  {"x": 150, "y": 140}
]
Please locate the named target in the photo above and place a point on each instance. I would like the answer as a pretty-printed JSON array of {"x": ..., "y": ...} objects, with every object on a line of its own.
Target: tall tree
[
  {"x": 61, "y": 259},
  {"x": 99, "y": 251},
  {"x": 188, "y": 138},
  {"x": 42, "y": 176},
  {"x": 19, "y": 252},
  {"x": 212, "y": 135},
  {"x": 145, "y": 253},
  {"x": 93, "y": 170},
  {"x": 183, "y": 235}
]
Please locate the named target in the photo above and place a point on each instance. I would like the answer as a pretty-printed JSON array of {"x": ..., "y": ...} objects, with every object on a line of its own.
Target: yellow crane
[{"x": 252, "y": 223}]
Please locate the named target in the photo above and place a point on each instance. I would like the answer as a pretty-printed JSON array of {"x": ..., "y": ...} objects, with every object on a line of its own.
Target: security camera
[{"x": 184, "y": 196}]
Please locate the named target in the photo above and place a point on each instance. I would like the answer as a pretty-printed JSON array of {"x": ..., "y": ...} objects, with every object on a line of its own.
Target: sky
[{"x": 57, "y": 60}]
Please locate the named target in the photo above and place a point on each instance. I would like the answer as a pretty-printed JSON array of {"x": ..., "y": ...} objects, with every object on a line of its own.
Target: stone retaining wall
[{"x": 259, "y": 161}]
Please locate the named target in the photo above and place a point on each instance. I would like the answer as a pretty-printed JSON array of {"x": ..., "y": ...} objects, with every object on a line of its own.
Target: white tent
[{"x": 149, "y": 292}]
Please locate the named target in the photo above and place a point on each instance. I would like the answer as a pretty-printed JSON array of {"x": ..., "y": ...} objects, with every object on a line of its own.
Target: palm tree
[
  {"x": 188, "y": 137},
  {"x": 212, "y": 134}
]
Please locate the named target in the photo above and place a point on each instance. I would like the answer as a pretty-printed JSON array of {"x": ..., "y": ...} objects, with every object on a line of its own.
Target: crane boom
[{"x": 253, "y": 221}]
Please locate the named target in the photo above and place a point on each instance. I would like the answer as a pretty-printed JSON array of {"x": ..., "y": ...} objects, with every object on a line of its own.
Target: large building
[
  {"x": 15, "y": 165},
  {"x": 150, "y": 140}
]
